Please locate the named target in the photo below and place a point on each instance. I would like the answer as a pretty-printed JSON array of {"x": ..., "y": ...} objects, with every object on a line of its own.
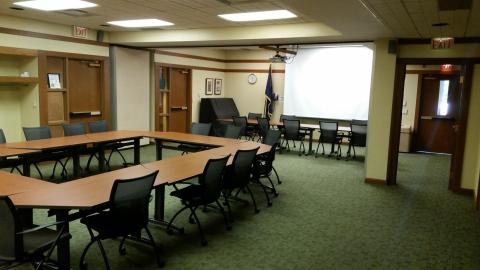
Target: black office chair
[
  {"x": 198, "y": 129},
  {"x": 358, "y": 137},
  {"x": 232, "y": 132},
  {"x": 74, "y": 129},
  {"x": 40, "y": 133},
  {"x": 272, "y": 139},
  {"x": 253, "y": 116},
  {"x": 34, "y": 244},
  {"x": 292, "y": 132},
  {"x": 127, "y": 215},
  {"x": 242, "y": 122},
  {"x": 329, "y": 134},
  {"x": 13, "y": 162},
  {"x": 263, "y": 127},
  {"x": 102, "y": 126},
  {"x": 208, "y": 191},
  {"x": 238, "y": 176}
]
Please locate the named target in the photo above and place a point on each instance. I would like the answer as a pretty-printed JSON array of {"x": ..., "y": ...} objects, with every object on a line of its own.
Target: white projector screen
[{"x": 329, "y": 82}]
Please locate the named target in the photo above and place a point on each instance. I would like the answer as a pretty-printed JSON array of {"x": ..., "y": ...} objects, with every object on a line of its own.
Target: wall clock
[{"x": 252, "y": 78}]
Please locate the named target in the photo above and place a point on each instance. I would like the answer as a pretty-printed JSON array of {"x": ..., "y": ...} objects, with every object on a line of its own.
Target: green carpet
[{"x": 326, "y": 217}]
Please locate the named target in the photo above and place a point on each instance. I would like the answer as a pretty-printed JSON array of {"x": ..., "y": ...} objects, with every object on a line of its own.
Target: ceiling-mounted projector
[{"x": 277, "y": 58}]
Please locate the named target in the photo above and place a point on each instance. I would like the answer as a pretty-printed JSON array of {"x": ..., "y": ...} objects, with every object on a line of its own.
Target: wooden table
[{"x": 14, "y": 184}]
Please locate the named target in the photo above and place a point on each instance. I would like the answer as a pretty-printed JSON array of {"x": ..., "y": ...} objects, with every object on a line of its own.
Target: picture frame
[
  {"x": 54, "y": 81},
  {"x": 218, "y": 86},
  {"x": 209, "y": 86}
]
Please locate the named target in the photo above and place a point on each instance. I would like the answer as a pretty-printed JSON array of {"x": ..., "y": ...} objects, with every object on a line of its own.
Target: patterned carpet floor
[{"x": 326, "y": 217}]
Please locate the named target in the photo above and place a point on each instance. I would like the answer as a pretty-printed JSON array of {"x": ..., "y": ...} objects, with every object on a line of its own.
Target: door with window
[{"x": 438, "y": 112}]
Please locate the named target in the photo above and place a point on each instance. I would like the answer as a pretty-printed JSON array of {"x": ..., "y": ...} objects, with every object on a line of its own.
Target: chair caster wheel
[
  {"x": 122, "y": 251},
  {"x": 204, "y": 243},
  {"x": 83, "y": 266},
  {"x": 257, "y": 211},
  {"x": 169, "y": 232},
  {"x": 229, "y": 228},
  {"x": 269, "y": 204},
  {"x": 276, "y": 194}
]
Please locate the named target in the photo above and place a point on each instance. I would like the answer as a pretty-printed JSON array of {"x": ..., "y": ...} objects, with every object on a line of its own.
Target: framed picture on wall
[
  {"x": 209, "y": 86},
  {"x": 218, "y": 86},
  {"x": 54, "y": 81}
]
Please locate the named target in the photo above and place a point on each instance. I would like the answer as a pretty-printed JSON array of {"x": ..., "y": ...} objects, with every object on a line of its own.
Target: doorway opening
[{"x": 430, "y": 111}]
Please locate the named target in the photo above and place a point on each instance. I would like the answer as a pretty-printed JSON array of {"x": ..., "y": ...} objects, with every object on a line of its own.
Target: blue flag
[{"x": 268, "y": 109}]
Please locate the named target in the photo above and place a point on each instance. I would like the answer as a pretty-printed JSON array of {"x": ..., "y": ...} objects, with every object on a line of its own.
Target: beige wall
[
  {"x": 381, "y": 97},
  {"x": 198, "y": 88},
  {"x": 409, "y": 100}
]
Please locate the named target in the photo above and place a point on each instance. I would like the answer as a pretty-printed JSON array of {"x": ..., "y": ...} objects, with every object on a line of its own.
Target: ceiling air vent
[
  {"x": 75, "y": 13},
  {"x": 446, "y": 5}
]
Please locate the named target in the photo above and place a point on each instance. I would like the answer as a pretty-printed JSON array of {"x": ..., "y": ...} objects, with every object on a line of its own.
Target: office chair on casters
[
  {"x": 242, "y": 122},
  {"x": 292, "y": 132},
  {"x": 358, "y": 136},
  {"x": 265, "y": 161},
  {"x": 329, "y": 134},
  {"x": 101, "y": 126},
  {"x": 3, "y": 140},
  {"x": 263, "y": 127},
  {"x": 198, "y": 129},
  {"x": 39, "y": 133},
  {"x": 232, "y": 132},
  {"x": 208, "y": 191},
  {"x": 127, "y": 215},
  {"x": 238, "y": 177},
  {"x": 20, "y": 245}
]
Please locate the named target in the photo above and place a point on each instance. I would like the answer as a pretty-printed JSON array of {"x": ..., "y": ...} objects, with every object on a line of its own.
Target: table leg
[
  {"x": 76, "y": 163},
  {"x": 159, "y": 214},
  {"x": 63, "y": 247},
  {"x": 101, "y": 157},
  {"x": 310, "y": 141},
  {"x": 136, "y": 151},
  {"x": 26, "y": 167},
  {"x": 158, "y": 144}
]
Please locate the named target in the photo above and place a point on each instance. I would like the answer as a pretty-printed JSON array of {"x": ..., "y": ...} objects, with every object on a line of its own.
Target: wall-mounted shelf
[{"x": 17, "y": 80}]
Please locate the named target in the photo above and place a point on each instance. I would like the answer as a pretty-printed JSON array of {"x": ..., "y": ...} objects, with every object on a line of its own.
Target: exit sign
[
  {"x": 442, "y": 43},
  {"x": 80, "y": 32}
]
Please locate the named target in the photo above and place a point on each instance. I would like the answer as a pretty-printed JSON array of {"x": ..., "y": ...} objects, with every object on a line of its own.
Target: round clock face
[{"x": 252, "y": 78}]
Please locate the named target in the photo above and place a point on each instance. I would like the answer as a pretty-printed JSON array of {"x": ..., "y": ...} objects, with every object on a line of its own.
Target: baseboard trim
[
  {"x": 375, "y": 181},
  {"x": 466, "y": 191}
]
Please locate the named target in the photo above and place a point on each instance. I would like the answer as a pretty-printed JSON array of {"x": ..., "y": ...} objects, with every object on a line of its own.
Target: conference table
[
  {"x": 90, "y": 194},
  {"x": 308, "y": 128},
  {"x": 11, "y": 157}
]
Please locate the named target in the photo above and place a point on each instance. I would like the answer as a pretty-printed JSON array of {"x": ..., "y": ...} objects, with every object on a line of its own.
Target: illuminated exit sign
[
  {"x": 442, "y": 43},
  {"x": 80, "y": 32}
]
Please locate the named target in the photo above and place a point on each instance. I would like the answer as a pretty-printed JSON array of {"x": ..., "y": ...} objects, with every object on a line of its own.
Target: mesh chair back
[
  {"x": 129, "y": 202},
  {"x": 240, "y": 121},
  {"x": 359, "y": 122},
  {"x": 232, "y": 132},
  {"x": 292, "y": 129},
  {"x": 272, "y": 137},
  {"x": 2, "y": 137},
  {"x": 98, "y": 126},
  {"x": 201, "y": 128},
  {"x": 211, "y": 179},
  {"x": 358, "y": 136},
  {"x": 287, "y": 117},
  {"x": 263, "y": 126},
  {"x": 328, "y": 131},
  {"x": 37, "y": 133},
  {"x": 242, "y": 166},
  {"x": 11, "y": 245},
  {"x": 73, "y": 129},
  {"x": 253, "y": 116}
]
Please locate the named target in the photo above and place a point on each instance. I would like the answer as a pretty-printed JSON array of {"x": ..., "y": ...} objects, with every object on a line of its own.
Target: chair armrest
[{"x": 41, "y": 227}]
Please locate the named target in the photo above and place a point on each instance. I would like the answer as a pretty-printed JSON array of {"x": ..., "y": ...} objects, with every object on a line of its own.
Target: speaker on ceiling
[
  {"x": 392, "y": 46},
  {"x": 100, "y": 35}
]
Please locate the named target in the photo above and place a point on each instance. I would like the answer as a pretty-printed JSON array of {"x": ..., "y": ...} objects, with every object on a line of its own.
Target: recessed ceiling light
[
  {"x": 51, "y": 5},
  {"x": 258, "y": 15},
  {"x": 141, "y": 23}
]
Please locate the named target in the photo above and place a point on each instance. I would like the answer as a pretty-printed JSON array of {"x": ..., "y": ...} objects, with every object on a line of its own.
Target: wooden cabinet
[{"x": 19, "y": 105}]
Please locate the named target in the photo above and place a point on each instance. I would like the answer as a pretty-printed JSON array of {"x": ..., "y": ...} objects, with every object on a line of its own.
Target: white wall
[{"x": 409, "y": 100}]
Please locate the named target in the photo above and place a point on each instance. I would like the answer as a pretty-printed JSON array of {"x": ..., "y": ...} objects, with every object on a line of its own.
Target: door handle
[
  {"x": 426, "y": 117},
  {"x": 182, "y": 108}
]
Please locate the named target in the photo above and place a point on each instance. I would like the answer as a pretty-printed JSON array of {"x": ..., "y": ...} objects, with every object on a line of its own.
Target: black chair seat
[
  {"x": 190, "y": 148},
  {"x": 192, "y": 193},
  {"x": 106, "y": 225},
  {"x": 42, "y": 239}
]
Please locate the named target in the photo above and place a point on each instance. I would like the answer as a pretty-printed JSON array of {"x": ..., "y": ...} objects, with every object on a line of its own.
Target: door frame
[{"x": 396, "y": 118}]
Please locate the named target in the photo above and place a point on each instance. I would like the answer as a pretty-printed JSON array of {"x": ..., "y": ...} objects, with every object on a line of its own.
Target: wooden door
[
  {"x": 438, "y": 113},
  {"x": 180, "y": 100},
  {"x": 85, "y": 91}
]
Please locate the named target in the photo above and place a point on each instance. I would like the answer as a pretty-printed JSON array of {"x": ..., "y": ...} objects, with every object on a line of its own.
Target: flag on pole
[{"x": 268, "y": 109}]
